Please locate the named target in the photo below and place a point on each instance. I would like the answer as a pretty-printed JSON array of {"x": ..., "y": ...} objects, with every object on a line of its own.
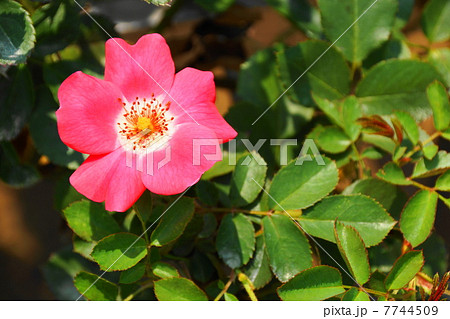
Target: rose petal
[
  {"x": 192, "y": 100},
  {"x": 87, "y": 113},
  {"x": 109, "y": 178},
  {"x": 187, "y": 162},
  {"x": 141, "y": 69}
]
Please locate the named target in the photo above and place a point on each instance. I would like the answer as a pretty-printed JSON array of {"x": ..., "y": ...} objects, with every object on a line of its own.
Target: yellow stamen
[{"x": 144, "y": 123}]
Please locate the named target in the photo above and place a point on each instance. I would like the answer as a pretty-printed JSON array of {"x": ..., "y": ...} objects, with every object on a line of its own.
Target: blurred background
[{"x": 30, "y": 226}]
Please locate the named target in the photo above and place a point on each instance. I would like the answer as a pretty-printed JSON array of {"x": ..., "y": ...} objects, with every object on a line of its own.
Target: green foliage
[
  {"x": 178, "y": 289},
  {"x": 164, "y": 270},
  {"x": 438, "y": 98},
  {"x": 95, "y": 288},
  {"x": 245, "y": 179},
  {"x": 301, "y": 14},
  {"x": 173, "y": 222},
  {"x": 214, "y": 6},
  {"x": 298, "y": 186},
  {"x": 287, "y": 247},
  {"x": 317, "y": 283},
  {"x": 258, "y": 269},
  {"x": 404, "y": 270},
  {"x": 354, "y": 294},
  {"x": 417, "y": 218},
  {"x": 397, "y": 85},
  {"x": 17, "y": 100},
  {"x": 90, "y": 221},
  {"x": 235, "y": 240},
  {"x": 17, "y": 35},
  {"x": 328, "y": 83},
  {"x": 367, "y": 32},
  {"x": 435, "y": 20},
  {"x": 119, "y": 251},
  {"x": 361, "y": 212},
  {"x": 353, "y": 251}
]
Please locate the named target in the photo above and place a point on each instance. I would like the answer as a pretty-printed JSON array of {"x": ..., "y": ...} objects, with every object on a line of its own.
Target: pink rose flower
[{"x": 143, "y": 126}]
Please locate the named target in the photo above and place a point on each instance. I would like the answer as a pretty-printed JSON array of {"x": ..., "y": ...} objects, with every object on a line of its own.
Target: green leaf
[
  {"x": 201, "y": 268},
  {"x": 391, "y": 49},
  {"x": 302, "y": 14},
  {"x": 44, "y": 131},
  {"x": 430, "y": 151},
  {"x": 443, "y": 182},
  {"x": 235, "y": 240},
  {"x": 82, "y": 247},
  {"x": 435, "y": 255},
  {"x": 425, "y": 168},
  {"x": 119, "y": 251},
  {"x": 382, "y": 142},
  {"x": 94, "y": 288},
  {"x": 13, "y": 171},
  {"x": 16, "y": 33},
  {"x": 214, "y": 6},
  {"x": 351, "y": 111},
  {"x": 368, "y": 30},
  {"x": 59, "y": 271},
  {"x": 353, "y": 251},
  {"x": 409, "y": 125},
  {"x": 372, "y": 153},
  {"x": 287, "y": 247},
  {"x": 207, "y": 192},
  {"x": 173, "y": 222},
  {"x": 132, "y": 274},
  {"x": 404, "y": 13},
  {"x": 160, "y": 2},
  {"x": 446, "y": 201},
  {"x": 354, "y": 294},
  {"x": 440, "y": 59},
  {"x": 209, "y": 225},
  {"x": 178, "y": 289},
  {"x": 164, "y": 270},
  {"x": 300, "y": 186},
  {"x": 222, "y": 167},
  {"x": 404, "y": 270},
  {"x": 90, "y": 220},
  {"x": 392, "y": 173},
  {"x": 244, "y": 189},
  {"x": 397, "y": 85},
  {"x": 313, "y": 284},
  {"x": 328, "y": 77},
  {"x": 438, "y": 99},
  {"x": 258, "y": 269},
  {"x": 229, "y": 297},
  {"x": 436, "y": 20},
  {"x": 144, "y": 206},
  {"x": 330, "y": 108},
  {"x": 258, "y": 82},
  {"x": 388, "y": 195},
  {"x": 259, "y": 86},
  {"x": 417, "y": 218},
  {"x": 361, "y": 212},
  {"x": 65, "y": 194},
  {"x": 332, "y": 140},
  {"x": 57, "y": 25},
  {"x": 16, "y": 101}
]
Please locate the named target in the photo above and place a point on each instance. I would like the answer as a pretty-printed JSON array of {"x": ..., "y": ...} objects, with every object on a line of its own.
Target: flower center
[{"x": 143, "y": 122}]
